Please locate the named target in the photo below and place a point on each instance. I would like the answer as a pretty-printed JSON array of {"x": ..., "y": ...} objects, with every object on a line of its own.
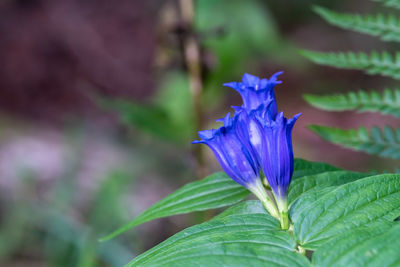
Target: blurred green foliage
[
  {"x": 234, "y": 35},
  {"x": 169, "y": 116},
  {"x": 56, "y": 229}
]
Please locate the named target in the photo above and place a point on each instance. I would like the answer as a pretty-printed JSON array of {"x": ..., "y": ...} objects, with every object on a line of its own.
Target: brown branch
[{"x": 194, "y": 67}]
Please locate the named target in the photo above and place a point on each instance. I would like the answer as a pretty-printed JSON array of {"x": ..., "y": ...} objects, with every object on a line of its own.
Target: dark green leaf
[
  {"x": 387, "y": 103},
  {"x": 321, "y": 180},
  {"x": 245, "y": 207},
  {"x": 247, "y": 238},
  {"x": 385, "y": 144},
  {"x": 349, "y": 206},
  {"x": 366, "y": 246},
  {"x": 215, "y": 191},
  {"x": 303, "y": 167},
  {"x": 306, "y": 200},
  {"x": 375, "y": 63},
  {"x": 387, "y": 27}
]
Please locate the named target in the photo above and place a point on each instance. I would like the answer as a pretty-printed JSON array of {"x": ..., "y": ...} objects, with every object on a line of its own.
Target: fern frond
[
  {"x": 387, "y": 103},
  {"x": 375, "y": 63},
  {"x": 389, "y": 3},
  {"x": 384, "y": 143},
  {"x": 386, "y": 27}
]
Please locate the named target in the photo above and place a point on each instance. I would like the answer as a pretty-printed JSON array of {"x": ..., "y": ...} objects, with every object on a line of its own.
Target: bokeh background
[{"x": 97, "y": 114}]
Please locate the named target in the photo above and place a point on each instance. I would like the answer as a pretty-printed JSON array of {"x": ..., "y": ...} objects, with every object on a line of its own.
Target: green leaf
[
  {"x": 386, "y": 27},
  {"x": 365, "y": 246},
  {"x": 384, "y": 143},
  {"x": 245, "y": 207},
  {"x": 245, "y": 39},
  {"x": 375, "y": 63},
  {"x": 307, "y": 199},
  {"x": 168, "y": 116},
  {"x": 321, "y": 180},
  {"x": 215, "y": 191},
  {"x": 303, "y": 167},
  {"x": 390, "y": 3},
  {"x": 173, "y": 96},
  {"x": 387, "y": 103},
  {"x": 246, "y": 238},
  {"x": 147, "y": 118},
  {"x": 346, "y": 207}
]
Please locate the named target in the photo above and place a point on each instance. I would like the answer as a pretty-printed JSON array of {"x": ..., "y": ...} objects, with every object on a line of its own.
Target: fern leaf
[
  {"x": 385, "y": 27},
  {"x": 384, "y": 143},
  {"x": 387, "y": 103},
  {"x": 390, "y": 3},
  {"x": 375, "y": 63}
]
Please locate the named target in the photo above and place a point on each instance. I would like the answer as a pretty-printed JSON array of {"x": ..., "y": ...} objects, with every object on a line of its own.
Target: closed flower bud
[
  {"x": 235, "y": 158},
  {"x": 277, "y": 159}
]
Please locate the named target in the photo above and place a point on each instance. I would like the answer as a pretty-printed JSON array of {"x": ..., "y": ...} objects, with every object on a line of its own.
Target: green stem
[
  {"x": 284, "y": 218},
  {"x": 301, "y": 250},
  {"x": 258, "y": 190},
  {"x": 265, "y": 182},
  {"x": 283, "y": 212},
  {"x": 270, "y": 207}
]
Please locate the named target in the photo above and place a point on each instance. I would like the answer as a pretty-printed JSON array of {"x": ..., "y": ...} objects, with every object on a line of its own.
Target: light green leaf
[
  {"x": 387, "y": 103},
  {"x": 173, "y": 96},
  {"x": 245, "y": 38},
  {"x": 169, "y": 115},
  {"x": 365, "y": 246},
  {"x": 346, "y": 207},
  {"x": 215, "y": 191},
  {"x": 390, "y": 3},
  {"x": 243, "y": 239},
  {"x": 387, "y": 27},
  {"x": 145, "y": 117},
  {"x": 384, "y": 143},
  {"x": 321, "y": 180},
  {"x": 375, "y": 63}
]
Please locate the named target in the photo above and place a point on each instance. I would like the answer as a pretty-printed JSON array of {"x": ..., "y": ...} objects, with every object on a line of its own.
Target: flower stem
[
  {"x": 283, "y": 212},
  {"x": 284, "y": 218},
  {"x": 258, "y": 190},
  {"x": 265, "y": 181},
  {"x": 301, "y": 250},
  {"x": 270, "y": 207}
]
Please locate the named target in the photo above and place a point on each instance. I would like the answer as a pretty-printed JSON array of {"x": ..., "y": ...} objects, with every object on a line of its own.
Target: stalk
[
  {"x": 283, "y": 213},
  {"x": 258, "y": 190},
  {"x": 192, "y": 57}
]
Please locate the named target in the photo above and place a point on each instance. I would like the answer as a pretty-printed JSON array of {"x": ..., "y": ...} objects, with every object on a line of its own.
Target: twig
[{"x": 194, "y": 67}]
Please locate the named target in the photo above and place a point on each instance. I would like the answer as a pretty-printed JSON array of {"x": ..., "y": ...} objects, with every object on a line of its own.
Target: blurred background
[{"x": 99, "y": 101}]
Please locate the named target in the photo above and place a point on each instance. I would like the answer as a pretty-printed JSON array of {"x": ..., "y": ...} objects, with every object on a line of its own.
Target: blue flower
[
  {"x": 237, "y": 161},
  {"x": 270, "y": 141},
  {"x": 249, "y": 127},
  {"x": 256, "y": 142},
  {"x": 237, "y": 158},
  {"x": 255, "y": 91},
  {"x": 277, "y": 159}
]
